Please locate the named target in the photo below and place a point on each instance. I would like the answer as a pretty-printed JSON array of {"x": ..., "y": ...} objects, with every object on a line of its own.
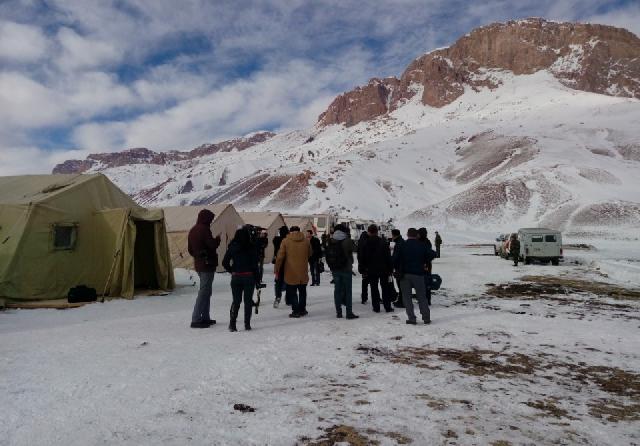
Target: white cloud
[
  {"x": 26, "y": 103},
  {"x": 79, "y": 52},
  {"x": 21, "y": 43}
]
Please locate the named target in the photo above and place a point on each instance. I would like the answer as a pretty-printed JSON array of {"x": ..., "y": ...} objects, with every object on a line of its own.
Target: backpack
[{"x": 335, "y": 255}]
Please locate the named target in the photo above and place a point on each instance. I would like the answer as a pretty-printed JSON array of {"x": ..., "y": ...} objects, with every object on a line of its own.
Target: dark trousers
[
  {"x": 516, "y": 258},
  {"x": 279, "y": 286},
  {"x": 365, "y": 288},
  {"x": 242, "y": 289},
  {"x": 314, "y": 268},
  {"x": 438, "y": 251},
  {"x": 297, "y": 295},
  {"x": 203, "y": 301},
  {"x": 342, "y": 291},
  {"x": 427, "y": 286},
  {"x": 383, "y": 281}
]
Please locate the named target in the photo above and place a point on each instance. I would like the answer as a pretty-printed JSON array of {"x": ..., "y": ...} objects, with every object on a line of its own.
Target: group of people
[{"x": 383, "y": 263}]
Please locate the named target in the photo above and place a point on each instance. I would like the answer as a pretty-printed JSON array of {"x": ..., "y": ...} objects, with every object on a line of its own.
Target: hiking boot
[
  {"x": 294, "y": 315},
  {"x": 304, "y": 313},
  {"x": 247, "y": 326},
  {"x": 352, "y": 316},
  {"x": 232, "y": 326},
  {"x": 339, "y": 315},
  {"x": 376, "y": 310},
  {"x": 199, "y": 324},
  {"x": 410, "y": 322},
  {"x": 364, "y": 299}
]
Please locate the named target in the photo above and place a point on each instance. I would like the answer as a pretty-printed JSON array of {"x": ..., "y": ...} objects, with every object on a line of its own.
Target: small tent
[
  {"x": 180, "y": 219},
  {"x": 60, "y": 231},
  {"x": 304, "y": 223},
  {"x": 271, "y": 221}
]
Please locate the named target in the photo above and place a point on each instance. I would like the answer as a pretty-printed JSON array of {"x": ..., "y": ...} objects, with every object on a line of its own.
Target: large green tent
[{"x": 60, "y": 231}]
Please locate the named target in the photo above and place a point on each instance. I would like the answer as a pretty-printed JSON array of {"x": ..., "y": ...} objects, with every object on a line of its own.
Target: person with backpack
[
  {"x": 339, "y": 257},
  {"x": 438, "y": 242},
  {"x": 314, "y": 260},
  {"x": 203, "y": 248},
  {"x": 375, "y": 264},
  {"x": 242, "y": 261},
  {"x": 410, "y": 260},
  {"x": 279, "y": 281},
  {"x": 364, "y": 295},
  {"x": 292, "y": 263},
  {"x": 514, "y": 249}
]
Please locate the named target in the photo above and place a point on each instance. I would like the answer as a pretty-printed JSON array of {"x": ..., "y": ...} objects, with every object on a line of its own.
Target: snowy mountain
[{"x": 528, "y": 122}]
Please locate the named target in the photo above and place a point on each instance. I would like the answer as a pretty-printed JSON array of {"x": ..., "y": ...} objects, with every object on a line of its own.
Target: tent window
[{"x": 64, "y": 237}]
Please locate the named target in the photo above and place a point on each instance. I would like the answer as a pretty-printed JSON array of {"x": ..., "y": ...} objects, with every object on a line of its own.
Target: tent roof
[
  {"x": 26, "y": 189},
  {"x": 182, "y": 218},
  {"x": 263, "y": 219}
]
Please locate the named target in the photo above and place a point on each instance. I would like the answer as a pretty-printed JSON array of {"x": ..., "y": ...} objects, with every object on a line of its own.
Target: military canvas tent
[
  {"x": 180, "y": 219},
  {"x": 304, "y": 223},
  {"x": 271, "y": 221},
  {"x": 60, "y": 231}
]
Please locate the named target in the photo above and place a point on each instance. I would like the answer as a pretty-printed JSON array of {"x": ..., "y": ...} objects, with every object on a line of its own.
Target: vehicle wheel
[{"x": 555, "y": 262}]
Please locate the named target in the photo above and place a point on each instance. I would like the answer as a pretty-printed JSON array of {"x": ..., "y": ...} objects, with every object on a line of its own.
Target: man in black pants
[
  {"x": 314, "y": 260},
  {"x": 365, "y": 282},
  {"x": 376, "y": 266},
  {"x": 397, "y": 239}
]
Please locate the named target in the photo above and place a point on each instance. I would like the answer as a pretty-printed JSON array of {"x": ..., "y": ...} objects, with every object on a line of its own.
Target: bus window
[
  {"x": 550, "y": 238},
  {"x": 536, "y": 238}
]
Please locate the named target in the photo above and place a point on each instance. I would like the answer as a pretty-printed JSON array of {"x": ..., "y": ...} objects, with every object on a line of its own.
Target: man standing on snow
[
  {"x": 438, "y": 242},
  {"x": 203, "y": 246},
  {"x": 314, "y": 260},
  {"x": 410, "y": 261},
  {"x": 375, "y": 264},
  {"x": 514, "y": 249},
  {"x": 365, "y": 282},
  {"x": 279, "y": 280},
  {"x": 293, "y": 262},
  {"x": 339, "y": 257},
  {"x": 397, "y": 240}
]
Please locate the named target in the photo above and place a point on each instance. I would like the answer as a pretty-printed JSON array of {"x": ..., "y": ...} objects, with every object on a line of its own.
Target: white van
[{"x": 540, "y": 244}]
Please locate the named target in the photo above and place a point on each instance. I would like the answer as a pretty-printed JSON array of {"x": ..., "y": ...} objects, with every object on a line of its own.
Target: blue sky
[{"x": 83, "y": 76}]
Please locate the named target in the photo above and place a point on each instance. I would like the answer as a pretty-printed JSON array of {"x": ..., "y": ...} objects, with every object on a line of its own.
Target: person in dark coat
[
  {"x": 314, "y": 260},
  {"x": 203, "y": 248},
  {"x": 438, "y": 242},
  {"x": 375, "y": 264},
  {"x": 342, "y": 274},
  {"x": 364, "y": 294},
  {"x": 422, "y": 237},
  {"x": 397, "y": 239},
  {"x": 280, "y": 286},
  {"x": 514, "y": 249},
  {"x": 242, "y": 261},
  {"x": 410, "y": 262}
]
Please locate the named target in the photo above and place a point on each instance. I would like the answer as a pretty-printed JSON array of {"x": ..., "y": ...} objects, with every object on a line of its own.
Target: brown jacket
[
  {"x": 202, "y": 246},
  {"x": 293, "y": 257}
]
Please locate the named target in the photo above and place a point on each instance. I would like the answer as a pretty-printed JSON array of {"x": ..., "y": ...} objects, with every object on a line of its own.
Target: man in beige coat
[{"x": 293, "y": 258}]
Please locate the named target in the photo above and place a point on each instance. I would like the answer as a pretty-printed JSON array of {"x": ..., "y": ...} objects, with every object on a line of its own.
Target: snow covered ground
[{"x": 520, "y": 369}]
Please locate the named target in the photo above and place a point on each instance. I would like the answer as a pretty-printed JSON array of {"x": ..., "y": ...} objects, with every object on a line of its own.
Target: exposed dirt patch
[
  {"x": 550, "y": 408},
  {"x": 614, "y": 411},
  {"x": 343, "y": 434}
]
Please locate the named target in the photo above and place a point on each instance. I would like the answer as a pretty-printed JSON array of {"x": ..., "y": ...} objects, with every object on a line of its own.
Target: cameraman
[{"x": 241, "y": 260}]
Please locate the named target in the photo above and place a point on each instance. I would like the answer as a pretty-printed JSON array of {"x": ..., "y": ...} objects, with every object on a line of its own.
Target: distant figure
[
  {"x": 279, "y": 280},
  {"x": 293, "y": 262},
  {"x": 364, "y": 293},
  {"x": 438, "y": 242},
  {"x": 314, "y": 260},
  {"x": 514, "y": 249},
  {"x": 410, "y": 262},
  {"x": 242, "y": 261},
  {"x": 375, "y": 265},
  {"x": 397, "y": 240},
  {"x": 203, "y": 248},
  {"x": 339, "y": 257}
]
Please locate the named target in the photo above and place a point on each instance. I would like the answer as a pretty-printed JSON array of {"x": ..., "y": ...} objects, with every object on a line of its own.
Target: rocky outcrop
[
  {"x": 99, "y": 161},
  {"x": 594, "y": 58}
]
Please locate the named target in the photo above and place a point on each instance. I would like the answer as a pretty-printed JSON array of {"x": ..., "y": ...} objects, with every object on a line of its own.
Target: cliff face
[
  {"x": 146, "y": 156},
  {"x": 594, "y": 58}
]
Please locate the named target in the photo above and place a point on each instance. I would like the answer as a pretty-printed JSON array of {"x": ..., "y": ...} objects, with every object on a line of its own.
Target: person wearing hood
[
  {"x": 339, "y": 257},
  {"x": 292, "y": 262},
  {"x": 203, "y": 248},
  {"x": 362, "y": 242},
  {"x": 279, "y": 281},
  {"x": 242, "y": 261}
]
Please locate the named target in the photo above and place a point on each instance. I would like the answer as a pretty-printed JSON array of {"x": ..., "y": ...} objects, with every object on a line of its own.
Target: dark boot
[
  {"x": 352, "y": 316},
  {"x": 247, "y": 325},
  {"x": 233, "y": 316}
]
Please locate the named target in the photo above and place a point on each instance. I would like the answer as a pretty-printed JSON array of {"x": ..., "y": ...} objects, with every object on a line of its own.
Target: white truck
[{"x": 540, "y": 244}]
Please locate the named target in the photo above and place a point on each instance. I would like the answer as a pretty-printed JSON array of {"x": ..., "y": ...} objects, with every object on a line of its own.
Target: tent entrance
[{"x": 144, "y": 258}]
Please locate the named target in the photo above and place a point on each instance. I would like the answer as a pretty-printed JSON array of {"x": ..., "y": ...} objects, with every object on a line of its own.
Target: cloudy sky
[{"x": 82, "y": 76}]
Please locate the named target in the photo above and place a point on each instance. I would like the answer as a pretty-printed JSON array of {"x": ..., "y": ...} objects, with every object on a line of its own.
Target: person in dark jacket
[
  {"x": 410, "y": 262},
  {"x": 203, "y": 248},
  {"x": 422, "y": 236},
  {"x": 397, "y": 239},
  {"x": 242, "y": 261},
  {"x": 438, "y": 242},
  {"x": 514, "y": 249},
  {"x": 364, "y": 294},
  {"x": 280, "y": 286},
  {"x": 342, "y": 275},
  {"x": 314, "y": 260},
  {"x": 375, "y": 264}
]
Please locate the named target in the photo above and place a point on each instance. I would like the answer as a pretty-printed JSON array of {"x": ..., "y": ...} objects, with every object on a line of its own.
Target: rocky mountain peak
[{"x": 595, "y": 58}]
